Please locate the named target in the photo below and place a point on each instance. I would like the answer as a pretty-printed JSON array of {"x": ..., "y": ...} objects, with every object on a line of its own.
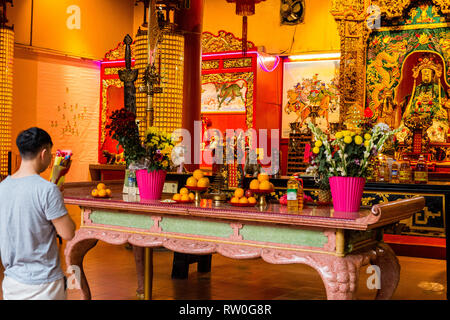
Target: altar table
[{"x": 336, "y": 244}]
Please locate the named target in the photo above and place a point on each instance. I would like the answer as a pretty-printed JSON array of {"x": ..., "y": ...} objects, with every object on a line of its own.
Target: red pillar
[{"x": 191, "y": 20}]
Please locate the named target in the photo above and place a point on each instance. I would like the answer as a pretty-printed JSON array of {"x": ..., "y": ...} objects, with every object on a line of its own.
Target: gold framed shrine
[
  {"x": 395, "y": 16},
  {"x": 386, "y": 48}
]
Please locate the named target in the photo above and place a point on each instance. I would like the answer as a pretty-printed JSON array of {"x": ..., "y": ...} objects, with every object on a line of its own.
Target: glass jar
[
  {"x": 405, "y": 171},
  {"x": 421, "y": 172}
]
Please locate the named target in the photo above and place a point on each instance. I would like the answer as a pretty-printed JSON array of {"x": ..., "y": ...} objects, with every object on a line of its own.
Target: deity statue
[
  {"x": 388, "y": 108},
  {"x": 426, "y": 109}
]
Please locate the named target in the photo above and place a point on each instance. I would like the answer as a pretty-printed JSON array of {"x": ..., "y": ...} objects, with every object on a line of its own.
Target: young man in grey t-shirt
[{"x": 32, "y": 212}]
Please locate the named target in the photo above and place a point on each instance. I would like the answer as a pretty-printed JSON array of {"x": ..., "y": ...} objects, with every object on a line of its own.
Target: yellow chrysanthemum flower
[
  {"x": 366, "y": 143},
  {"x": 316, "y": 150},
  {"x": 367, "y": 136},
  {"x": 318, "y": 143},
  {"x": 348, "y": 139},
  {"x": 339, "y": 135},
  {"x": 358, "y": 140}
]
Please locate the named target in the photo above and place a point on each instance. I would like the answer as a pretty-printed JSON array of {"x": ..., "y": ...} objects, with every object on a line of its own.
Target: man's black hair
[{"x": 31, "y": 141}]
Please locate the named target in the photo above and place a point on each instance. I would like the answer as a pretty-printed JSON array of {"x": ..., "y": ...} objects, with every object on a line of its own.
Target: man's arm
[{"x": 65, "y": 227}]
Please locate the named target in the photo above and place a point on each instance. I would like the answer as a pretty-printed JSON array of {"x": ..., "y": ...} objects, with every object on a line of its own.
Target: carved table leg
[
  {"x": 340, "y": 277},
  {"x": 389, "y": 266},
  {"x": 339, "y": 274},
  {"x": 140, "y": 269},
  {"x": 75, "y": 251}
]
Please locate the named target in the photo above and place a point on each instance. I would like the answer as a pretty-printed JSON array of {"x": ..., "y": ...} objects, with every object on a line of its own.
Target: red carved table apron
[{"x": 335, "y": 244}]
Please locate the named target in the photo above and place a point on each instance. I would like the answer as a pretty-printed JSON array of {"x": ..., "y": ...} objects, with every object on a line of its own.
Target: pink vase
[
  {"x": 150, "y": 184},
  {"x": 347, "y": 193}
]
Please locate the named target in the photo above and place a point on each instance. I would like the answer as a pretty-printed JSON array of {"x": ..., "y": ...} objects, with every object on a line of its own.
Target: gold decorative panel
[
  {"x": 351, "y": 19},
  {"x": 223, "y": 42},
  {"x": 169, "y": 60},
  {"x": 141, "y": 62},
  {"x": 210, "y": 64},
  {"x": 6, "y": 86},
  {"x": 237, "y": 63}
]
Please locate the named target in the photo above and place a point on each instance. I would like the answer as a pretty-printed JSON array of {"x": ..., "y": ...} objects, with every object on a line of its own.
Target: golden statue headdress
[{"x": 427, "y": 63}]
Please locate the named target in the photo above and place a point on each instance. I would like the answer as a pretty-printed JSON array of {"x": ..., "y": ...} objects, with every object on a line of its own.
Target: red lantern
[{"x": 245, "y": 8}]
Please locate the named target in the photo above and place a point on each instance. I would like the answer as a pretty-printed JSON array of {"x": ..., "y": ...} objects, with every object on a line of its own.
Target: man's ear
[{"x": 43, "y": 153}]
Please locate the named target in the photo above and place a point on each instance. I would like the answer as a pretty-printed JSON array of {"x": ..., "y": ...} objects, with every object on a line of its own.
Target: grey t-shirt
[{"x": 28, "y": 247}]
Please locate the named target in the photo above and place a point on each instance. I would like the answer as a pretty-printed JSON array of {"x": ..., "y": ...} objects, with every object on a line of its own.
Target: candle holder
[
  {"x": 197, "y": 191},
  {"x": 262, "y": 203}
]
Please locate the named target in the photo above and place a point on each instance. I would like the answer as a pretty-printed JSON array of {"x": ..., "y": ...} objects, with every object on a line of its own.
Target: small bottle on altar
[
  {"x": 395, "y": 172},
  {"x": 132, "y": 185},
  {"x": 405, "y": 171},
  {"x": 293, "y": 187},
  {"x": 421, "y": 172},
  {"x": 383, "y": 171}
]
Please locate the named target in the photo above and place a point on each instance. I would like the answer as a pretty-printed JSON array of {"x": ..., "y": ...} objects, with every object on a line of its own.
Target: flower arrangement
[
  {"x": 158, "y": 149},
  {"x": 350, "y": 153},
  {"x": 124, "y": 129},
  {"x": 155, "y": 151}
]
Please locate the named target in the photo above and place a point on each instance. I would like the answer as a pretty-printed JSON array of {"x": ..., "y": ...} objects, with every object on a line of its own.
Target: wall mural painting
[
  {"x": 310, "y": 93},
  {"x": 409, "y": 64},
  {"x": 221, "y": 97}
]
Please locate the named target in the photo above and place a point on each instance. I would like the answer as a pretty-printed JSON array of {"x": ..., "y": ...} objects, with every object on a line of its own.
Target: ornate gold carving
[
  {"x": 231, "y": 77},
  {"x": 444, "y": 5},
  {"x": 351, "y": 19},
  {"x": 112, "y": 71},
  {"x": 395, "y": 8},
  {"x": 118, "y": 53},
  {"x": 223, "y": 42},
  {"x": 237, "y": 63},
  {"x": 210, "y": 64},
  {"x": 105, "y": 84},
  {"x": 392, "y": 8}
]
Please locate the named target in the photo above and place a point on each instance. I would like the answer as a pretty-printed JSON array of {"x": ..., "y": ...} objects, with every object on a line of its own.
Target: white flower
[{"x": 383, "y": 127}]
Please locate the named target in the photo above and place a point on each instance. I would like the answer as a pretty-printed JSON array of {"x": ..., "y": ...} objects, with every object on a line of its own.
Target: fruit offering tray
[
  {"x": 260, "y": 191},
  {"x": 237, "y": 204}
]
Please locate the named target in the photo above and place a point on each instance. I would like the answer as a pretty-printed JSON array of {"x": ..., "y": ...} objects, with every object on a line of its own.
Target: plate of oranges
[
  {"x": 241, "y": 199},
  {"x": 101, "y": 191},
  {"x": 198, "y": 181},
  {"x": 184, "y": 196},
  {"x": 262, "y": 185}
]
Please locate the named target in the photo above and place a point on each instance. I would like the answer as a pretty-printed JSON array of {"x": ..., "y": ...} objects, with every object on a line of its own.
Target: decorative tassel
[{"x": 244, "y": 35}]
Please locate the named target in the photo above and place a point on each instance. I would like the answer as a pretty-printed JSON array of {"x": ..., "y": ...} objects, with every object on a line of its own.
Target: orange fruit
[
  {"x": 203, "y": 182},
  {"x": 254, "y": 184},
  {"x": 234, "y": 200},
  {"x": 184, "y": 191},
  {"x": 265, "y": 185},
  {"x": 191, "y": 182},
  {"x": 94, "y": 193},
  {"x": 185, "y": 197},
  {"x": 252, "y": 200},
  {"x": 239, "y": 193},
  {"x": 198, "y": 174},
  {"x": 176, "y": 197},
  {"x": 263, "y": 177},
  {"x": 102, "y": 193},
  {"x": 108, "y": 192},
  {"x": 191, "y": 196},
  {"x": 101, "y": 186},
  {"x": 243, "y": 200}
]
